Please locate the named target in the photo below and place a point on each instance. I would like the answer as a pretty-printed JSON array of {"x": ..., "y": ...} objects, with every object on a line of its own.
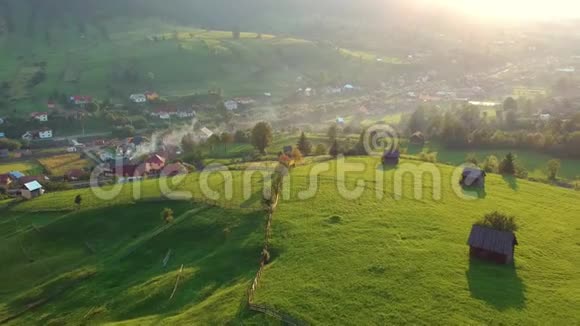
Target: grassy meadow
[
  {"x": 369, "y": 260},
  {"x": 387, "y": 261},
  {"x": 534, "y": 162},
  {"x": 173, "y": 60}
]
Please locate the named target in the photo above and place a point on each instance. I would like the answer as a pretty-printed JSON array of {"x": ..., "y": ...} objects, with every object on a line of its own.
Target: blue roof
[
  {"x": 2, "y": 135},
  {"x": 16, "y": 174},
  {"x": 33, "y": 185}
]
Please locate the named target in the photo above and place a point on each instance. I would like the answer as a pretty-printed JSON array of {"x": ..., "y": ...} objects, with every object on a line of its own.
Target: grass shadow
[
  {"x": 511, "y": 181},
  {"x": 474, "y": 192},
  {"x": 497, "y": 285}
]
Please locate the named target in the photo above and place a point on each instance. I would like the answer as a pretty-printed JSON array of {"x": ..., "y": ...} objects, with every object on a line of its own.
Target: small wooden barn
[
  {"x": 31, "y": 190},
  {"x": 473, "y": 177},
  {"x": 492, "y": 245},
  {"x": 417, "y": 138},
  {"x": 391, "y": 157}
]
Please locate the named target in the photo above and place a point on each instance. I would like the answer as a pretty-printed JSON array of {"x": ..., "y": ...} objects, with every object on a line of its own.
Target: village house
[
  {"x": 2, "y": 135},
  {"x": 138, "y": 98},
  {"x": 51, "y": 105},
  {"x": 492, "y": 245},
  {"x": 40, "y": 116},
  {"x": 4, "y": 153},
  {"x": 391, "y": 157},
  {"x": 151, "y": 96},
  {"x": 40, "y": 134},
  {"x": 174, "y": 169},
  {"x": 246, "y": 101},
  {"x": 5, "y": 181},
  {"x": 155, "y": 163},
  {"x": 231, "y": 105},
  {"x": 31, "y": 190},
  {"x": 30, "y": 178},
  {"x": 473, "y": 177},
  {"x": 74, "y": 175},
  {"x": 80, "y": 100},
  {"x": 417, "y": 138},
  {"x": 205, "y": 133},
  {"x": 16, "y": 175}
]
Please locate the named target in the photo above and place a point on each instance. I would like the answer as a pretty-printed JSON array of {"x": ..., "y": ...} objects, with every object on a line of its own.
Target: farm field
[
  {"x": 387, "y": 261},
  {"x": 26, "y": 167},
  {"x": 59, "y": 165},
  {"x": 534, "y": 162}
]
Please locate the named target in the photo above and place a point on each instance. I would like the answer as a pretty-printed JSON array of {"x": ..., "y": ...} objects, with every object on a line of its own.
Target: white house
[
  {"x": 45, "y": 134},
  {"x": 40, "y": 116},
  {"x": 231, "y": 105},
  {"x": 545, "y": 117},
  {"x": 185, "y": 114},
  {"x": 206, "y": 133},
  {"x": 138, "y": 98},
  {"x": 28, "y": 135}
]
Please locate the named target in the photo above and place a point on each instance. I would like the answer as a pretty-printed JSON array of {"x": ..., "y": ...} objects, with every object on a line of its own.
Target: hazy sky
[{"x": 520, "y": 9}]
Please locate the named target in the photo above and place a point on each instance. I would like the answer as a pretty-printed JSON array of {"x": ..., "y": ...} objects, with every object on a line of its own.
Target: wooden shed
[
  {"x": 391, "y": 157},
  {"x": 492, "y": 245},
  {"x": 31, "y": 190},
  {"x": 473, "y": 177},
  {"x": 417, "y": 138}
]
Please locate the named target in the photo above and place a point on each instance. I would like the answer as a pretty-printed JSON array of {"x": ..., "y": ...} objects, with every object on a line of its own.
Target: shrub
[
  {"x": 499, "y": 221},
  {"x": 491, "y": 164},
  {"x": 428, "y": 157},
  {"x": 508, "y": 165},
  {"x": 57, "y": 186},
  {"x": 320, "y": 150},
  {"x": 167, "y": 215}
]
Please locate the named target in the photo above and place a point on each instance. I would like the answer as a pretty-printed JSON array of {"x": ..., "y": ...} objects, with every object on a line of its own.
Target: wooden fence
[{"x": 270, "y": 208}]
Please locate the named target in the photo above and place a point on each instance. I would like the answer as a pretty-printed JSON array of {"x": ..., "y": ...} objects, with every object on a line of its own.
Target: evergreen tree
[
  {"x": 508, "y": 165},
  {"x": 304, "y": 145}
]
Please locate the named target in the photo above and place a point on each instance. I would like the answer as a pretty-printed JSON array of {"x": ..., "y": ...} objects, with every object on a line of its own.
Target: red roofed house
[
  {"x": 74, "y": 174},
  {"x": 40, "y": 116},
  {"x": 155, "y": 163},
  {"x": 50, "y": 105},
  {"x": 174, "y": 169},
  {"x": 81, "y": 100},
  {"x": 5, "y": 181}
]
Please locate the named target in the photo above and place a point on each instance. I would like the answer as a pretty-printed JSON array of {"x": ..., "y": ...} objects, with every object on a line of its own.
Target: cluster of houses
[
  {"x": 238, "y": 102},
  {"x": 328, "y": 90},
  {"x": 146, "y": 97},
  {"x": 27, "y": 187},
  {"x": 156, "y": 165},
  {"x": 168, "y": 113}
]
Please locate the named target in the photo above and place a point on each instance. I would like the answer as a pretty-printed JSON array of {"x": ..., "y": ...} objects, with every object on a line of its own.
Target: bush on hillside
[
  {"x": 167, "y": 215},
  {"x": 320, "y": 150},
  {"x": 499, "y": 221}
]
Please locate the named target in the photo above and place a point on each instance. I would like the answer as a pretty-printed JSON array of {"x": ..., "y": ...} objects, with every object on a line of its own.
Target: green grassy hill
[
  {"x": 334, "y": 261},
  {"x": 133, "y": 55},
  {"x": 388, "y": 261}
]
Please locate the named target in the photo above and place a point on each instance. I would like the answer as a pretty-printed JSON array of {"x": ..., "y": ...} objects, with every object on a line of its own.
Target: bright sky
[{"x": 520, "y": 9}]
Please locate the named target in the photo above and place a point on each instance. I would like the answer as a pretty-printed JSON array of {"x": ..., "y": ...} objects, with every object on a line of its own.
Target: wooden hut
[
  {"x": 417, "y": 138},
  {"x": 473, "y": 177},
  {"x": 391, "y": 157},
  {"x": 31, "y": 190},
  {"x": 492, "y": 245}
]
